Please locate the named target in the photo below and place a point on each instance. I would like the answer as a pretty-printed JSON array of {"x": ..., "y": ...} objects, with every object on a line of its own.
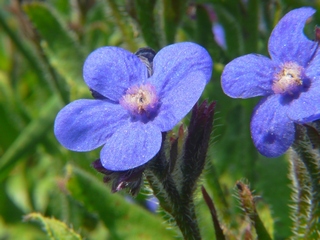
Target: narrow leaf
[
  {"x": 145, "y": 9},
  {"x": 121, "y": 22},
  {"x": 17, "y": 191},
  {"x": 234, "y": 38},
  {"x": 123, "y": 219},
  {"x": 204, "y": 34},
  {"x": 252, "y": 26},
  {"x": 30, "y": 136},
  {"x": 33, "y": 60},
  {"x": 55, "y": 229},
  {"x": 173, "y": 12},
  {"x": 60, "y": 45},
  {"x": 214, "y": 216},
  {"x": 213, "y": 185}
]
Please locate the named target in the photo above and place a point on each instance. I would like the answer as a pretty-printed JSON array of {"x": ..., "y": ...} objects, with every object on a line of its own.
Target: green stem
[
  {"x": 182, "y": 210},
  {"x": 260, "y": 228},
  {"x": 300, "y": 194},
  {"x": 219, "y": 199},
  {"x": 310, "y": 157},
  {"x": 217, "y": 228},
  {"x": 248, "y": 204}
]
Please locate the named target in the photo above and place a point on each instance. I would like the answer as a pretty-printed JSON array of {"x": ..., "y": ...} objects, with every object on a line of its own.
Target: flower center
[
  {"x": 288, "y": 79},
  {"x": 141, "y": 100}
]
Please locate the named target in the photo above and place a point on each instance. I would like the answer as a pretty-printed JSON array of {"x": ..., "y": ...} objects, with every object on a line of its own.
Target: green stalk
[
  {"x": 216, "y": 224},
  {"x": 219, "y": 199},
  {"x": 308, "y": 153},
  {"x": 165, "y": 189},
  {"x": 248, "y": 204},
  {"x": 182, "y": 211},
  {"x": 300, "y": 194}
]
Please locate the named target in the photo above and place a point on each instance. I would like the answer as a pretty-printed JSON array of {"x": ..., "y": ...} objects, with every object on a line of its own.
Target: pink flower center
[
  {"x": 288, "y": 79},
  {"x": 140, "y": 100}
]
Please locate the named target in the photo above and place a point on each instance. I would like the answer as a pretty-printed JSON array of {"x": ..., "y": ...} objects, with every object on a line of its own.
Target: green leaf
[
  {"x": 273, "y": 184},
  {"x": 123, "y": 219},
  {"x": 203, "y": 33},
  {"x": 17, "y": 190},
  {"x": 30, "y": 136},
  {"x": 244, "y": 161},
  {"x": 173, "y": 12},
  {"x": 219, "y": 198},
  {"x": 60, "y": 44},
  {"x": 122, "y": 23},
  {"x": 252, "y": 26},
  {"x": 55, "y": 229},
  {"x": 20, "y": 230},
  {"x": 33, "y": 60},
  {"x": 147, "y": 22},
  {"x": 233, "y": 34}
]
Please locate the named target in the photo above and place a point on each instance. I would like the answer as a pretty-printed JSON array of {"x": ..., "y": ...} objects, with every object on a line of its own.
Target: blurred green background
[{"x": 49, "y": 192}]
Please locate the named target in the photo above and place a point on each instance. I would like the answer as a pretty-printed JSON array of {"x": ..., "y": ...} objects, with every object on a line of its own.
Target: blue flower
[
  {"x": 289, "y": 83},
  {"x": 131, "y": 109},
  {"x": 219, "y": 35}
]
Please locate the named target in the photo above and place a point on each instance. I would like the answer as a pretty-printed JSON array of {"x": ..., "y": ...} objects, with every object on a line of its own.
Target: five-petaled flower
[
  {"x": 289, "y": 83},
  {"x": 132, "y": 107}
]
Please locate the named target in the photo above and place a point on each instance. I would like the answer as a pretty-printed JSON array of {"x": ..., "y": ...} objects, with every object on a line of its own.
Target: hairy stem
[
  {"x": 309, "y": 155},
  {"x": 182, "y": 210}
]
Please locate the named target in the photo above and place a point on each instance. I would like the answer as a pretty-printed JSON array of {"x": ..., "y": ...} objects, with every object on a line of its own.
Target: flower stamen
[
  {"x": 288, "y": 79},
  {"x": 140, "y": 100}
]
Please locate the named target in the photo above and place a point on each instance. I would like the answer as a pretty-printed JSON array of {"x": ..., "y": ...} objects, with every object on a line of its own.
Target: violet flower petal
[
  {"x": 179, "y": 101},
  {"x": 175, "y": 62},
  {"x": 248, "y": 76},
  {"x": 313, "y": 70},
  {"x": 219, "y": 35},
  {"x": 271, "y": 130},
  {"x": 131, "y": 146},
  {"x": 181, "y": 72},
  {"x": 307, "y": 107},
  {"x": 287, "y": 41},
  {"x": 110, "y": 71},
  {"x": 84, "y": 125}
]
